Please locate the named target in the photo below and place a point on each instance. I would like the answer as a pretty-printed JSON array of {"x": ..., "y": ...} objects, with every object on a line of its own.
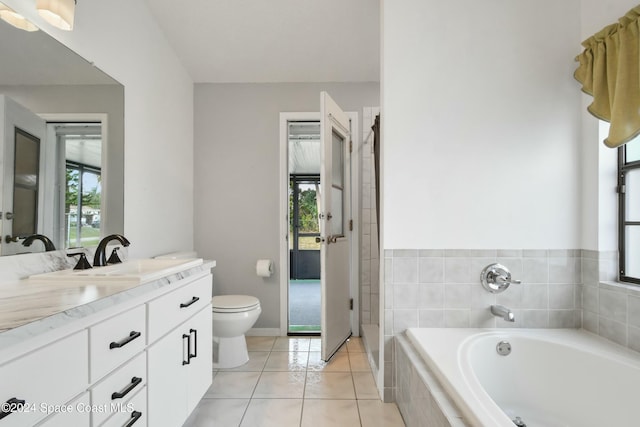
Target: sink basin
[{"x": 134, "y": 271}]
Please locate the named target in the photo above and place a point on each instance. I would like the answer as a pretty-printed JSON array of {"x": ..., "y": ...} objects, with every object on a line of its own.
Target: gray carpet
[{"x": 304, "y": 302}]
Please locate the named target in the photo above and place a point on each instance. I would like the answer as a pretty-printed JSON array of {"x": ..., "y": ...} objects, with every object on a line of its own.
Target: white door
[
  {"x": 22, "y": 139},
  {"x": 334, "y": 221}
]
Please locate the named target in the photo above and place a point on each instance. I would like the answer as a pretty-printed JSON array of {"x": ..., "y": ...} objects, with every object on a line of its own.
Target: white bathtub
[{"x": 552, "y": 378}]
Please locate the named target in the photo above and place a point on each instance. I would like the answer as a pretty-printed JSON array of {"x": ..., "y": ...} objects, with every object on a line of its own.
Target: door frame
[{"x": 283, "y": 203}]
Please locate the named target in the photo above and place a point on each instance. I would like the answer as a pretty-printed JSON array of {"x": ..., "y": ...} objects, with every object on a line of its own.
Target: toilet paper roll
[{"x": 264, "y": 268}]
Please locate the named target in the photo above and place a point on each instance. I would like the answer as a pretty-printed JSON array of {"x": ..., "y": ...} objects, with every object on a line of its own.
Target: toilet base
[{"x": 229, "y": 352}]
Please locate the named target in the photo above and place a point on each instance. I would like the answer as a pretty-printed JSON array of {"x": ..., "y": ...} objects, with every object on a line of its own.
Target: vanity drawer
[
  {"x": 78, "y": 414},
  {"x": 116, "y": 340},
  {"x": 132, "y": 413},
  {"x": 117, "y": 388},
  {"x": 168, "y": 311},
  {"x": 48, "y": 376}
]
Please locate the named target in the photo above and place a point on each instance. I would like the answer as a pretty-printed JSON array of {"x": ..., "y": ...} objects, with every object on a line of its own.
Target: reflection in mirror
[
  {"x": 25, "y": 183},
  {"x": 83, "y": 182},
  {"x": 71, "y": 188}
]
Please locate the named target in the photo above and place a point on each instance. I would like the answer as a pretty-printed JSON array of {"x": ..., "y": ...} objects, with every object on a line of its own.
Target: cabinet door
[
  {"x": 167, "y": 382},
  {"x": 200, "y": 367}
]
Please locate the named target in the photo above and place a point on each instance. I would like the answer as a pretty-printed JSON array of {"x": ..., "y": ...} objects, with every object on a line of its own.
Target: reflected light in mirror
[
  {"x": 8, "y": 15},
  {"x": 58, "y": 13}
]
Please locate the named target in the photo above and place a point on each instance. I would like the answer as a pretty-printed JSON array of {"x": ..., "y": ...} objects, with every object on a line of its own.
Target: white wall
[
  {"x": 481, "y": 124},
  {"x": 237, "y": 146},
  {"x": 123, "y": 40}
]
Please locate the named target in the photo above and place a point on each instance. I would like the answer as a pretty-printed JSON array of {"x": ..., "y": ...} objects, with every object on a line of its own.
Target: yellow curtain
[{"x": 610, "y": 71}]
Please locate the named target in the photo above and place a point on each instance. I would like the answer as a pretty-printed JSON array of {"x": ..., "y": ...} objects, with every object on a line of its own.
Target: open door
[
  {"x": 21, "y": 134},
  {"x": 334, "y": 216}
]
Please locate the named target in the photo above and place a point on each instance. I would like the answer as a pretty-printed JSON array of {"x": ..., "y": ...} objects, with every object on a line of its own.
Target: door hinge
[
  {"x": 621, "y": 189},
  {"x": 350, "y": 225},
  {"x": 351, "y": 146},
  {"x": 351, "y": 304}
]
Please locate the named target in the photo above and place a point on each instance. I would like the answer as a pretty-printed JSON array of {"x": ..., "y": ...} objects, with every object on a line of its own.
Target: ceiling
[{"x": 259, "y": 41}]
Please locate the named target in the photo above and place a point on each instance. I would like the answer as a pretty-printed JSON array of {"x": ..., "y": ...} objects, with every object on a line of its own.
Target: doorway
[
  {"x": 301, "y": 235},
  {"x": 304, "y": 302}
]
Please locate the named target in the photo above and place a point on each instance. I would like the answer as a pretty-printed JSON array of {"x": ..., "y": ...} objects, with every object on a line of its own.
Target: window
[
  {"x": 82, "y": 205},
  {"x": 82, "y": 147},
  {"x": 629, "y": 211}
]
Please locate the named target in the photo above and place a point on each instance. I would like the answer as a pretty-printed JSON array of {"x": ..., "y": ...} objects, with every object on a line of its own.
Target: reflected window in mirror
[{"x": 81, "y": 144}]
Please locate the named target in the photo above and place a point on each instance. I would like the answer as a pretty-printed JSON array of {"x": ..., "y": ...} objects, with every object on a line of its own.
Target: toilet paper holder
[{"x": 264, "y": 268}]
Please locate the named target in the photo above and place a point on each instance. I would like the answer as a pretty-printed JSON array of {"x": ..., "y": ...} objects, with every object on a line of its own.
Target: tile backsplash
[
  {"x": 441, "y": 288},
  {"x": 611, "y": 310},
  {"x": 569, "y": 288}
]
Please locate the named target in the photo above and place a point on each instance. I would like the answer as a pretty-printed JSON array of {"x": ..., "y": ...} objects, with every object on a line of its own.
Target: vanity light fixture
[
  {"x": 58, "y": 13},
  {"x": 10, "y": 16}
]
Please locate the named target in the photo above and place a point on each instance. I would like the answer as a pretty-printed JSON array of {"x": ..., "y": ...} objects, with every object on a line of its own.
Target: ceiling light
[
  {"x": 58, "y": 13},
  {"x": 8, "y": 15}
]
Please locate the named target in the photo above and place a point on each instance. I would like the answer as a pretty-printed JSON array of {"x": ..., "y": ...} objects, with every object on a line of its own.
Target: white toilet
[{"x": 233, "y": 316}]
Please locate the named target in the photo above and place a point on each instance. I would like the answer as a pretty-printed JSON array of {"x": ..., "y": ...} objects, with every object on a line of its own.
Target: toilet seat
[{"x": 234, "y": 303}]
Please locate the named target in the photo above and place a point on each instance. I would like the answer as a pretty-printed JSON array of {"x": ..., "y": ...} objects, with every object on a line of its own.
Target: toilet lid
[{"x": 234, "y": 303}]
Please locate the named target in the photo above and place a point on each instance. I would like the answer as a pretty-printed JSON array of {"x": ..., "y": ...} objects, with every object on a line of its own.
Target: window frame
[{"x": 623, "y": 168}]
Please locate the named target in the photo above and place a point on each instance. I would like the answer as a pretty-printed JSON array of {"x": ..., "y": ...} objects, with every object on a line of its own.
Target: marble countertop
[{"x": 30, "y": 307}]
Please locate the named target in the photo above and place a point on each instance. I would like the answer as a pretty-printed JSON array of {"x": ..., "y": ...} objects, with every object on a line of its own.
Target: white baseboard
[{"x": 263, "y": 332}]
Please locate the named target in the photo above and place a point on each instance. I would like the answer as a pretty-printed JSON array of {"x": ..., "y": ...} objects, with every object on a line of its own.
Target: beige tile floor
[{"x": 285, "y": 383}]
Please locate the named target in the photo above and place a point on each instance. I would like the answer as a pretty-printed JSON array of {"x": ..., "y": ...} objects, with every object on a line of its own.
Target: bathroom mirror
[{"x": 82, "y": 142}]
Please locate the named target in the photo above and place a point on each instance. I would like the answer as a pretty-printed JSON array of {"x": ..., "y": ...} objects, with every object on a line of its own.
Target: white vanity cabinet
[
  {"x": 49, "y": 376},
  {"x": 179, "y": 363},
  {"x": 141, "y": 361}
]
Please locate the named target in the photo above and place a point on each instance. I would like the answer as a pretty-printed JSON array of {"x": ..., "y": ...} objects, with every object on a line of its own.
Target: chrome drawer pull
[
  {"x": 132, "y": 336},
  {"x": 187, "y": 304},
  {"x": 10, "y": 406},
  {"x": 120, "y": 394},
  {"x": 135, "y": 416}
]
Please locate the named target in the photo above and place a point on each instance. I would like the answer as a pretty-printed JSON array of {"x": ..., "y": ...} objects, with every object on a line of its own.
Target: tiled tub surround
[
  {"x": 609, "y": 309},
  {"x": 560, "y": 289},
  {"x": 420, "y": 398},
  {"x": 441, "y": 288}
]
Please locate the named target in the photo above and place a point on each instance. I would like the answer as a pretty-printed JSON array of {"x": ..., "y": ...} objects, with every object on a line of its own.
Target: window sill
[{"x": 622, "y": 287}]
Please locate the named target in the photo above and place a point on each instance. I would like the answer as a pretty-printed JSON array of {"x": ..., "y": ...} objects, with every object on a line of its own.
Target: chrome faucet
[
  {"x": 504, "y": 312},
  {"x": 100, "y": 258},
  {"x": 48, "y": 244}
]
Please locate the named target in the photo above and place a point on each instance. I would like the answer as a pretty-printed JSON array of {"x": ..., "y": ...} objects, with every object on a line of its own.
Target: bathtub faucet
[{"x": 504, "y": 312}]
